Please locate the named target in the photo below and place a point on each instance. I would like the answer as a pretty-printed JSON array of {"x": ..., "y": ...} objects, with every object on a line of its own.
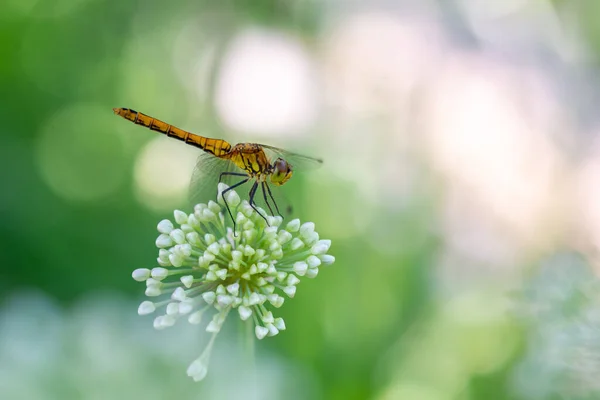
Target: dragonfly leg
[
  {"x": 262, "y": 187},
  {"x": 230, "y": 173},
  {"x": 225, "y": 200},
  {"x": 251, "y": 197},
  {"x": 272, "y": 199}
]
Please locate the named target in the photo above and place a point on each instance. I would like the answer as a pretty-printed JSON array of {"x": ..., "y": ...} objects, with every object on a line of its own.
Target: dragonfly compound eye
[{"x": 282, "y": 172}]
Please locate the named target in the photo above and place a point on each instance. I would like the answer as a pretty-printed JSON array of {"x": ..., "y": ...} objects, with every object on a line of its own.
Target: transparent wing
[
  {"x": 205, "y": 178},
  {"x": 297, "y": 161},
  {"x": 280, "y": 203}
]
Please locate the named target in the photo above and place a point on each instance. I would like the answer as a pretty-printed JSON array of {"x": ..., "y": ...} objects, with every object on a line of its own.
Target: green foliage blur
[{"x": 407, "y": 311}]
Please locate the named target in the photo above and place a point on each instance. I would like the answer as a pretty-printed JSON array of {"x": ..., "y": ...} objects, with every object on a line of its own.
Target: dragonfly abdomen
[{"x": 217, "y": 147}]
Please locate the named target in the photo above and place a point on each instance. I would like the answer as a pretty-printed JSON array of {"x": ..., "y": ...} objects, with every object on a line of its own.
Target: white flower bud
[
  {"x": 249, "y": 251},
  {"x": 195, "y": 318},
  {"x": 293, "y": 225},
  {"x": 163, "y": 240},
  {"x": 277, "y": 254},
  {"x": 268, "y": 318},
  {"x": 220, "y": 289},
  {"x": 208, "y": 257},
  {"x": 209, "y": 238},
  {"x": 179, "y": 294},
  {"x": 198, "y": 369},
  {"x": 193, "y": 238},
  {"x": 146, "y": 307},
  {"x": 236, "y": 255},
  {"x": 327, "y": 259},
  {"x": 311, "y": 239},
  {"x": 159, "y": 273},
  {"x": 253, "y": 299},
  {"x": 292, "y": 280},
  {"x": 153, "y": 291},
  {"x": 178, "y": 236},
  {"x": 296, "y": 244},
  {"x": 158, "y": 323},
  {"x": 213, "y": 327},
  {"x": 300, "y": 268},
  {"x": 281, "y": 275},
  {"x": 221, "y": 273},
  {"x": 153, "y": 282},
  {"x": 290, "y": 291},
  {"x": 209, "y": 297},
  {"x": 141, "y": 274},
  {"x": 312, "y": 272},
  {"x": 163, "y": 254},
  {"x": 214, "y": 207},
  {"x": 307, "y": 228},
  {"x": 321, "y": 247},
  {"x": 268, "y": 289},
  {"x": 271, "y": 270},
  {"x": 233, "y": 199},
  {"x": 261, "y": 332},
  {"x": 214, "y": 248},
  {"x": 279, "y": 324},
  {"x": 234, "y": 288},
  {"x": 165, "y": 226},
  {"x": 261, "y": 266},
  {"x": 167, "y": 321},
  {"x": 172, "y": 308},
  {"x": 185, "y": 307},
  {"x": 207, "y": 215},
  {"x": 185, "y": 249},
  {"x": 244, "y": 312},
  {"x": 198, "y": 208},
  {"x": 313, "y": 261},
  {"x": 276, "y": 300},
  {"x": 176, "y": 259},
  {"x": 224, "y": 300},
  {"x": 272, "y": 329},
  {"x": 187, "y": 280},
  {"x": 186, "y": 228},
  {"x": 284, "y": 237},
  {"x": 193, "y": 221},
  {"x": 180, "y": 217},
  {"x": 260, "y": 281}
]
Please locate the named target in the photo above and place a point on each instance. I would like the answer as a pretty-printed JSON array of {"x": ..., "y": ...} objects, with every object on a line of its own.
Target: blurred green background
[{"x": 460, "y": 180}]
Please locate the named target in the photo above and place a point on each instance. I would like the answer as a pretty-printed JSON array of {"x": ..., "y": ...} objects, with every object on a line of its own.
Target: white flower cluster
[{"x": 204, "y": 266}]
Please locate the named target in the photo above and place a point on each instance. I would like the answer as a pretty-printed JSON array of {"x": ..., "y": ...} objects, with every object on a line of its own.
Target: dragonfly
[{"x": 260, "y": 164}]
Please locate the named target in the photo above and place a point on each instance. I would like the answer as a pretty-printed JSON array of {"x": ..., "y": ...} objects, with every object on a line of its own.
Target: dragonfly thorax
[{"x": 281, "y": 172}]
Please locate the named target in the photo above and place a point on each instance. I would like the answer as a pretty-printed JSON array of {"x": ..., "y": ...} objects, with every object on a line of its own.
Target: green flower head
[{"x": 205, "y": 269}]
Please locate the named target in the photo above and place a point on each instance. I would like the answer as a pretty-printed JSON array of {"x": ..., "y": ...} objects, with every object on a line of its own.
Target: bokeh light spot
[
  {"x": 162, "y": 173},
  {"x": 266, "y": 84},
  {"x": 80, "y": 153}
]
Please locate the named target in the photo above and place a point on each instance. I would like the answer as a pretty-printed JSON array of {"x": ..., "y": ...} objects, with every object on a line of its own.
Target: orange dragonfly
[{"x": 255, "y": 162}]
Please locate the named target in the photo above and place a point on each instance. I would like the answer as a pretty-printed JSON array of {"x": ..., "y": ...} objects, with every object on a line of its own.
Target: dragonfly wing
[
  {"x": 205, "y": 178},
  {"x": 297, "y": 161}
]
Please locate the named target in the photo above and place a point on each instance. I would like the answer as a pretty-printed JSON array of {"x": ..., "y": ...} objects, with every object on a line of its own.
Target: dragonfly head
[{"x": 282, "y": 172}]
